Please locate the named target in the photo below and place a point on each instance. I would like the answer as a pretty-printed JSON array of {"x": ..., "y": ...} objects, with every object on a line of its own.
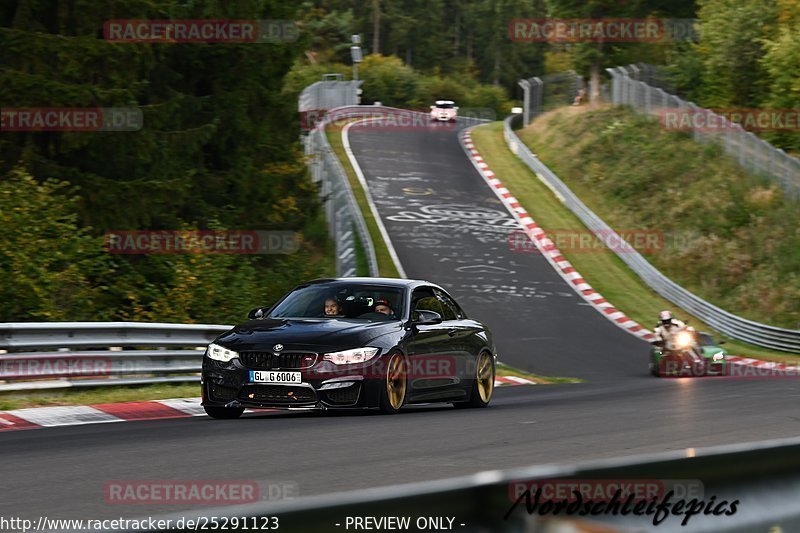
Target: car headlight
[
  {"x": 348, "y": 357},
  {"x": 719, "y": 356},
  {"x": 219, "y": 353}
]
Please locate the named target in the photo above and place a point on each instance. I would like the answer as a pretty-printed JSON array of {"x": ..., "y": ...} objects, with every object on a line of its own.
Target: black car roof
[{"x": 396, "y": 282}]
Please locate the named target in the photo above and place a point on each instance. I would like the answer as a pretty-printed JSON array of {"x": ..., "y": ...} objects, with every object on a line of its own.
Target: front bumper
[
  {"x": 324, "y": 386},
  {"x": 443, "y": 117},
  {"x": 681, "y": 364}
]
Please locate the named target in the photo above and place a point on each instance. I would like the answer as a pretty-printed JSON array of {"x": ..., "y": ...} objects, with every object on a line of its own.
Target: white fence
[{"x": 752, "y": 153}]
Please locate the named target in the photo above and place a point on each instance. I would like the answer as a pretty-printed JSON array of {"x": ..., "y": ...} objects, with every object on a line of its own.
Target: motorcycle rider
[{"x": 669, "y": 326}]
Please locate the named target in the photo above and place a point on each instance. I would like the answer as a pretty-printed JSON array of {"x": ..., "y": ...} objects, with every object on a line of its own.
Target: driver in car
[{"x": 332, "y": 307}]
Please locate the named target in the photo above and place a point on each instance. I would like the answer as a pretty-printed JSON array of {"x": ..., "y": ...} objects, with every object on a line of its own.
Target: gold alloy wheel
[
  {"x": 396, "y": 381},
  {"x": 485, "y": 377}
]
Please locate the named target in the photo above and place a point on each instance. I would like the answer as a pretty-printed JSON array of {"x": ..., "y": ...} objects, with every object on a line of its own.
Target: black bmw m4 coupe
[{"x": 351, "y": 343}]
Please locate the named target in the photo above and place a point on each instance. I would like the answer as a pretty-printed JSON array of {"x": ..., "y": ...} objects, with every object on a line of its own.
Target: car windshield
[
  {"x": 342, "y": 300},
  {"x": 445, "y": 106},
  {"x": 706, "y": 339}
]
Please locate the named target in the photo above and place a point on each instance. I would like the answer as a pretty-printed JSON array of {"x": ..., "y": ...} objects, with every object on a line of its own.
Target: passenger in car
[{"x": 382, "y": 306}]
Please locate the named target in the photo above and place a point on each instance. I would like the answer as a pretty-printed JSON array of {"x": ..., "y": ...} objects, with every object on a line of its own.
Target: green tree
[
  {"x": 387, "y": 80},
  {"x": 781, "y": 62},
  {"x": 219, "y": 148},
  {"x": 590, "y": 58},
  {"x": 47, "y": 262},
  {"x": 732, "y": 46}
]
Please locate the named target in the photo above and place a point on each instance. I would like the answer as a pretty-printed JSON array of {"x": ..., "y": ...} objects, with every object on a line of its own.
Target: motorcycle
[{"x": 679, "y": 356}]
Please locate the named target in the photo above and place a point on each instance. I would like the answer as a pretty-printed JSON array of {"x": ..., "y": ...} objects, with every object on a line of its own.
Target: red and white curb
[
  {"x": 762, "y": 367},
  {"x": 547, "y": 248},
  {"x": 74, "y": 415},
  {"x": 500, "y": 381}
]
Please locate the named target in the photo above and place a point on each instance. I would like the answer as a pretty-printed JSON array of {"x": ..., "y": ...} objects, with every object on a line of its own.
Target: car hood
[
  {"x": 710, "y": 351},
  {"x": 305, "y": 334}
]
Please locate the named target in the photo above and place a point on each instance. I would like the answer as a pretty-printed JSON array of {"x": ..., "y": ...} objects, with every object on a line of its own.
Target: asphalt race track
[{"x": 448, "y": 227}]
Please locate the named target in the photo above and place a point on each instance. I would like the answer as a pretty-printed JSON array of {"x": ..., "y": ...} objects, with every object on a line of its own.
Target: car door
[
  {"x": 461, "y": 342},
  {"x": 432, "y": 367}
]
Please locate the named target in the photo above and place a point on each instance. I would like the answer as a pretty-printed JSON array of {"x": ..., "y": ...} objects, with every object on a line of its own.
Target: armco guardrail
[
  {"x": 342, "y": 214},
  {"x": 344, "y": 217},
  {"x": 49, "y": 355},
  {"x": 723, "y": 321},
  {"x": 763, "y": 479},
  {"x": 341, "y": 210},
  {"x": 332, "y": 92}
]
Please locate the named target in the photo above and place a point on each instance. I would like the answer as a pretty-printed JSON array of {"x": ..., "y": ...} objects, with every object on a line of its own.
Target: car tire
[
  {"x": 483, "y": 383},
  {"x": 394, "y": 389},
  {"x": 223, "y": 412}
]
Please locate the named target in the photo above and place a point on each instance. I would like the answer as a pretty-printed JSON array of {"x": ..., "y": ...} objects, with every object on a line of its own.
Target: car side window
[
  {"x": 451, "y": 309},
  {"x": 425, "y": 300}
]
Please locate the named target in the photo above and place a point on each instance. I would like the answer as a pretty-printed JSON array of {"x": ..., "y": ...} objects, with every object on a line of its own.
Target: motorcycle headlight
[
  {"x": 348, "y": 357},
  {"x": 219, "y": 353},
  {"x": 683, "y": 339}
]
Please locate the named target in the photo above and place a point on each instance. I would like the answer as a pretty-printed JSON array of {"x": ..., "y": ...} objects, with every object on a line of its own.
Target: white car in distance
[{"x": 444, "y": 111}]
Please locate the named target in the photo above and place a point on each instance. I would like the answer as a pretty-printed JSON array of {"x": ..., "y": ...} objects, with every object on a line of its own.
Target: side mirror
[
  {"x": 258, "y": 312},
  {"x": 428, "y": 318},
  {"x": 722, "y": 342},
  {"x": 456, "y": 108},
  {"x": 433, "y": 107}
]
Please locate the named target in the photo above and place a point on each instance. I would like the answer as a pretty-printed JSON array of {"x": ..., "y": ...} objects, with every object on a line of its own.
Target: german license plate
[{"x": 275, "y": 376}]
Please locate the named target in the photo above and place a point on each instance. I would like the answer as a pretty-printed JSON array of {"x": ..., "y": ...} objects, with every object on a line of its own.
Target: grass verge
[
  {"x": 386, "y": 267},
  {"x": 727, "y": 235},
  {"x": 604, "y": 271}
]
